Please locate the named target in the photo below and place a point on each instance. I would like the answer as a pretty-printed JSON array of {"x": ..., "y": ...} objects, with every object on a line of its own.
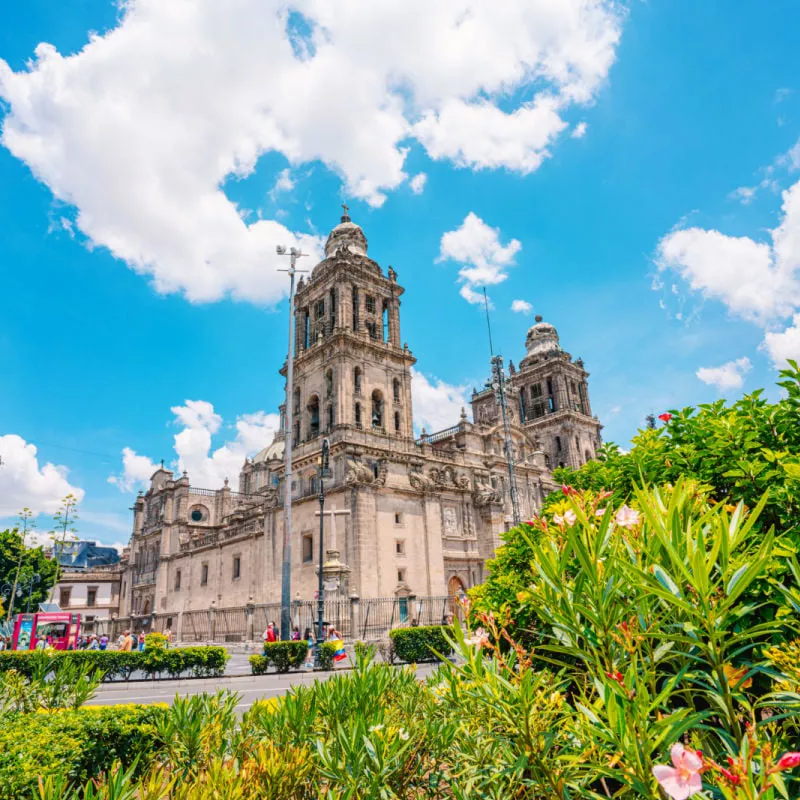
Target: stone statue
[
  {"x": 485, "y": 494},
  {"x": 420, "y": 481},
  {"x": 358, "y": 472}
]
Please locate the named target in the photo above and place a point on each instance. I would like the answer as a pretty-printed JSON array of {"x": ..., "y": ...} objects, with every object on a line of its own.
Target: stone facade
[{"x": 403, "y": 515}]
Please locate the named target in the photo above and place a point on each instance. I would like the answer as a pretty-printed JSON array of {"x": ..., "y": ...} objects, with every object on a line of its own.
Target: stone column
[
  {"x": 355, "y": 617},
  {"x": 212, "y": 622},
  {"x": 394, "y": 322},
  {"x": 249, "y": 621},
  {"x": 179, "y": 628}
]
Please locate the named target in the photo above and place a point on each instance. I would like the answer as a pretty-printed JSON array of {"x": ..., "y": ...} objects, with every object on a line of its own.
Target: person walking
[
  {"x": 269, "y": 633},
  {"x": 103, "y": 642},
  {"x": 295, "y": 634},
  {"x": 94, "y": 644},
  {"x": 141, "y": 642},
  {"x": 126, "y": 645}
]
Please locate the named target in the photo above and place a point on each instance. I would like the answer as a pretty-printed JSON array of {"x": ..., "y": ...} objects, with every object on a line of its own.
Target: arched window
[
  {"x": 385, "y": 321},
  {"x": 577, "y": 444},
  {"x": 313, "y": 417},
  {"x": 397, "y": 422},
  {"x": 330, "y": 417},
  {"x": 588, "y": 455},
  {"x": 377, "y": 409},
  {"x": 396, "y": 390},
  {"x": 329, "y": 383},
  {"x": 355, "y": 309},
  {"x": 297, "y": 401},
  {"x": 358, "y": 415},
  {"x": 357, "y": 380}
]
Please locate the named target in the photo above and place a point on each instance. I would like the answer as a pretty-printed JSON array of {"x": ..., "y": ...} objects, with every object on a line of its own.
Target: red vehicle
[{"x": 55, "y": 629}]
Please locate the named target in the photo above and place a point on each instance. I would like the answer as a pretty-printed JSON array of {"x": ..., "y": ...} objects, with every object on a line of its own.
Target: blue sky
[{"x": 628, "y": 171}]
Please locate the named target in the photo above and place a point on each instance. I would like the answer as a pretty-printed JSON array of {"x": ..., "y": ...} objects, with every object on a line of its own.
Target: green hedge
[
  {"x": 326, "y": 653},
  {"x": 281, "y": 655},
  {"x": 198, "y": 662},
  {"x": 421, "y": 644},
  {"x": 78, "y": 744}
]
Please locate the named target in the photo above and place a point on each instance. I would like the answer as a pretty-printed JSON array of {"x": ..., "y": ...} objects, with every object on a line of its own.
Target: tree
[
  {"x": 739, "y": 452},
  {"x": 64, "y": 529},
  {"x": 22, "y": 563}
]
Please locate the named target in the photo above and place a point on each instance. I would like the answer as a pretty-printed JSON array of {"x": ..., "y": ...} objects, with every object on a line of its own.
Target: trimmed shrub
[
  {"x": 155, "y": 639},
  {"x": 199, "y": 662},
  {"x": 421, "y": 644},
  {"x": 284, "y": 655},
  {"x": 79, "y": 744},
  {"x": 259, "y": 665},
  {"x": 326, "y": 653}
]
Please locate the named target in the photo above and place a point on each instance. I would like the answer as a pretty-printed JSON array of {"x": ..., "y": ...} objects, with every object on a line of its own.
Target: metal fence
[
  {"x": 230, "y": 624},
  {"x": 195, "y": 626}
]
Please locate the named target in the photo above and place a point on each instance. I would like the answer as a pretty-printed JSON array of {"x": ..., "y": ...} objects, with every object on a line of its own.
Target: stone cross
[{"x": 332, "y": 534}]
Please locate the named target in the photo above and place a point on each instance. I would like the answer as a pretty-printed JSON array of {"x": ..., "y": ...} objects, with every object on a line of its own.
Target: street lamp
[
  {"x": 30, "y": 582},
  {"x": 286, "y": 570},
  {"x": 8, "y": 591},
  {"x": 324, "y": 472}
]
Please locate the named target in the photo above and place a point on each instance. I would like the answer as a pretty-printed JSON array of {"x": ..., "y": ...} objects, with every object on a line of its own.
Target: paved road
[{"x": 250, "y": 687}]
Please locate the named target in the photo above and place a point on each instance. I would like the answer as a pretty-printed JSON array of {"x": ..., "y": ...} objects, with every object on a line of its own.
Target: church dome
[
  {"x": 275, "y": 450},
  {"x": 542, "y": 338},
  {"x": 346, "y": 234}
]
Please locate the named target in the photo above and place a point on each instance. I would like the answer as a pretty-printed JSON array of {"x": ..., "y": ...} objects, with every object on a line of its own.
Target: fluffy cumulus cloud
[
  {"x": 728, "y": 376},
  {"x": 756, "y": 280},
  {"x": 140, "y": 129},
  {"x": 26, "y": 483},
  {"x": 781, "y": 346},
  {"x": 579, "y": 131},
  {"x": 207, "y": 466},
  {"x": 521, "y": 307},
  {"x": 437, "y": 405},
  {"x": 484, "y": 260}
]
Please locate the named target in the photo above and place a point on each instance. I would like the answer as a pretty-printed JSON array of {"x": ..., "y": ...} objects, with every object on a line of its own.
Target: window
[
  {"x": 357, "y": 380},
  {"x": 577, "y": 444},
  {"x": 549, "y": 386},
  {"x": 398, "y": 519},
  {"x": 372, "y": 329},
  {"x": 401, "y": 575},
  {"x": 198, "y": 514},
  {"x": 123, "y": 588},
  {"x": 177, "y": 580},
  {"x": 329, "y": 383},
  {"x": 396, "y": 390},
  {"x": 64, "y": 597},
  {"x": 538, "y": 410},
  {"x": 308, "y": 548},
  {"x": 91, "y": 597},
  {"x": 319, "y": 309},
  {"x": 397, "y": 422},
  {"x": 377, "y": 409},
  {"x": 204, "y": 575},
  {"x": 297, "y": 401},
  {"x": 355, "y": 309},
  {"x": 558, "y": 444},
  {"x": 400, "y": 547},
  {"x": 358, "y": 415},
  {"x": 536, "y": 390},
  {"x": 330, "y": 418},
  {"x": 370, "y": 304},
  {"x": 237, "y": 567},
  {"x": 313, "y": 417}
]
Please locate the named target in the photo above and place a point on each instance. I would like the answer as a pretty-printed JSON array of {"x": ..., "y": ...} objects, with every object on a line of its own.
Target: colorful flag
[{"x": 340, "y": 651}]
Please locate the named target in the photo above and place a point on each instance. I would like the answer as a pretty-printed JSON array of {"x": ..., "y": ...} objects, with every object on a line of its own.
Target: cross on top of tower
[{"x": 345, "y": 216}]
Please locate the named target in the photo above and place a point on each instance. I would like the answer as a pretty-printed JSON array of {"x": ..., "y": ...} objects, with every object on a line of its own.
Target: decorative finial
[
  {"x": 162, "y": 463},
  {"x": 463, "y": 412},
  {"x": 185, "y": 474},
  {"x": 226, "y": 482},
  {"x": 538, "y": 317},
  {"x": 345, "y": 216}
]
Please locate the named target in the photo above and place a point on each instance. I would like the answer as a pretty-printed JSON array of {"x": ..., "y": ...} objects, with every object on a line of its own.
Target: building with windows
[{"x": 404, "y": 514}]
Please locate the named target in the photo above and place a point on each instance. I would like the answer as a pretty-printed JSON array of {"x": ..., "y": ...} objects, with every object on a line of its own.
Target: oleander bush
[
  {"x": 156, "y": 662},
  {"x": 76, "y": 744},
  {"x": 424, "y": 643},
  {"x": 286, "y": 655},
  {"x": 326, "y": 654}
]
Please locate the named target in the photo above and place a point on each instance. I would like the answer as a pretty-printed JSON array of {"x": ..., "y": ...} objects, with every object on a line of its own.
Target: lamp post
[
  {"x": 19, "y": 589},
  {"x": 324, "y": 472},
  {"x": 499, "y": 386},
  {"x": 286, "y": 570}
]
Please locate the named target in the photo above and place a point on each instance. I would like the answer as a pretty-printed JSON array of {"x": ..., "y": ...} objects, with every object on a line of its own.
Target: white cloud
[
  {"x": 476, "y": 246},
  {"x": 417, "y": 183},
  {"x": 23, "y": 483},
  {"x": 726, "y": 377},
  {"x": 579, "y": 131},
  {"x": 744, "y": 194},
  {"x": 437, "y": 405},
  {"x": 785, "y": 345},
  {"x": 521, "y": 307},
  {"x": 755, "y": 280},
  {"x": 283, "y": 183},
  {"x": 140, "y": 129},
  {"x": 207, "y": 466}
]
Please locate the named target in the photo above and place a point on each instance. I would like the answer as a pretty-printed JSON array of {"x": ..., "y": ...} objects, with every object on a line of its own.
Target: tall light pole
[
  {"x": 323, "y": 473},
  {"x": 499, "y": 385},
  {"x": 286, "y": 571}
]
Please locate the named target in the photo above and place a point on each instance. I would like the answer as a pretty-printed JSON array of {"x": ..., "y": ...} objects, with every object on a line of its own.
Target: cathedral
[{"x": 405, "y": 515}]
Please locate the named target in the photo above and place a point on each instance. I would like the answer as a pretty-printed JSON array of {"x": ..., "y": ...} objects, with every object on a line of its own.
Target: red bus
[{"x": 56, "y": 629}]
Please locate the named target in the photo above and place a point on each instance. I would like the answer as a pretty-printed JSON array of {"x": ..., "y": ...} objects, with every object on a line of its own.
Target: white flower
[
  {"x": 570, "y": 518},
  {"x": 403, "y": 734},
  {"x": 375, "y": 728},
  {"x": 628, "y": 517},
  {"x": 558, "y": 519},
  {"x": 601, "y": 512}
]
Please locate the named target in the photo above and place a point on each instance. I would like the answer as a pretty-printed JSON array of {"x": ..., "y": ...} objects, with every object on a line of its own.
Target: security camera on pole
[{"x": 286, "y": 572}]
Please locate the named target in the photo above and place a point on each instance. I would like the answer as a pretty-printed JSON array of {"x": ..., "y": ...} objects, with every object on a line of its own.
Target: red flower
[
  {"x": 615, "y": 676},
  {"x": 734, "y": 779},
  {"x": 665, "y": 417},
  {"x": 789, "y": 761},
  {"x": 568, "y": 490}
]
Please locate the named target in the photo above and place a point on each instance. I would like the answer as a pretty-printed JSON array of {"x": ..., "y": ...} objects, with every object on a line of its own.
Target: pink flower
[
  {"x": 570, "y": 518},
  {"x": 682, "y": 780},
  {"x": 627, "y": 517},
  {"x": 665, "y": 417},
  {"x": 568, "y": 490},
  {"x": 789, "y": 761},
  {"x": 558, "y": 519},
  {"x": 601, "y": 512}
]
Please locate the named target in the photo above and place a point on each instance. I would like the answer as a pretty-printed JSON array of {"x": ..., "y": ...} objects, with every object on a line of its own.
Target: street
[{"x": 237, "y": 678}]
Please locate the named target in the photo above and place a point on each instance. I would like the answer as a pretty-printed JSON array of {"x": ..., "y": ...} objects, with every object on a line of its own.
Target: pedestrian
[
  {"x": 335, "y": 638},
  {"x": 141, "y": 642},
  {"x": 121, "y": 639},
  {"x": 103, "y": 642},
  {"x": 126, "y": 642},
  {"x": 269, "y": 633},
  {"x": 308, "y": 635},
  {"x": 295, "y": 634},
  {"x": 415, "y": 623},
  {"x": 94, "y": 643},
  {"x": 168, "y": 634}
]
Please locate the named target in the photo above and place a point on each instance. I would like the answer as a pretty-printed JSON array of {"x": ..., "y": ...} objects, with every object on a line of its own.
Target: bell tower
[{"x": 351, "y": 372}]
